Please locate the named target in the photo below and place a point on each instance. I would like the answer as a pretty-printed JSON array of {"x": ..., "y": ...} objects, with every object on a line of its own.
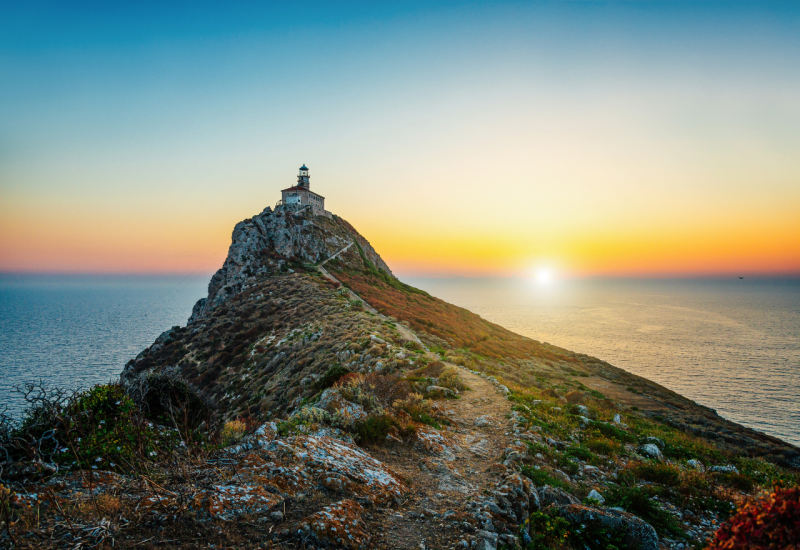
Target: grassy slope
[{"x": 527, "y": 363}]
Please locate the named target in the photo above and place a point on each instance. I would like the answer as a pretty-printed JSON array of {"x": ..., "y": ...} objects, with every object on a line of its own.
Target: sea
[{"x": 730, "y": 344}]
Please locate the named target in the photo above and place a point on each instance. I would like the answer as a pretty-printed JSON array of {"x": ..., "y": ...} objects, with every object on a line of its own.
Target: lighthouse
[{"x": 301, "y": 194}]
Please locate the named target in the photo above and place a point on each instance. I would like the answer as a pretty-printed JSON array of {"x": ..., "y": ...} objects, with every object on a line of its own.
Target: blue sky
[{"x": 157, "y": 115}]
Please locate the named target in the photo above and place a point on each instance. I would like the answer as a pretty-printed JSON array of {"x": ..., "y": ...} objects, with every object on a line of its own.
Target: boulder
[
  {"x": 440, "y": 391},
  {"x": 298, "y": 464},
  {"x": 727, "y": 469},
  {"x": 431, "y": 441},
  {"x": 655, "y": 441},
  {"x": 696, "y": 464},
  {"x": 594, "y": 495},
  {"x": 228, "y": 502},
  {"x": 554, "y": 496},
  {"x": 339, "y": 525},
  {"x": 332, "y": 401},
  {"x": 517, "y": 496},
  {"x": 639, "y": 535},
  {"x": 650, "y": 449},
  {"x": 484, "y": 421}
]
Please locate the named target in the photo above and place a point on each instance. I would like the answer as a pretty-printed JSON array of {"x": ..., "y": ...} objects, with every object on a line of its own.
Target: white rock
[
  {"x": 696, "y": 464},
  {"x": 593, "y": 494},
  {"x": 484, "y": 421},
  {"x": 727, "y": 469},
  {"x": 651, "y": 450}
]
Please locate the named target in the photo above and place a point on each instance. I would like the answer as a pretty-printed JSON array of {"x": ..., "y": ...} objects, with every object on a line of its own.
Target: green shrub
[
  {"x": 166, "y": 398},
  {"x": 373, "y": 430},
  {"x": 541, "y": 477},
  {"x": 331, "y": 376},
  {"x": 604, "y": 446},
  {"x": 547, "y": 532},
  {"x": 658, "y": 473},
  {"x": 581, "y": 453},
  {"x": 639, "y": 501},
  {"x": 612, "y": 432},
  {"x": 739, "y": 481},
  {"x": 98, "y": 428}
]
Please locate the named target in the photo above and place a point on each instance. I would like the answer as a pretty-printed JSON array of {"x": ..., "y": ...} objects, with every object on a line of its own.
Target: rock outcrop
[{"x": 274, "y": 242}]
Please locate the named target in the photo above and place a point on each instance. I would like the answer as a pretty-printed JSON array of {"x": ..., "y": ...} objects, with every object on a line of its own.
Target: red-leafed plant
[{"x": 772, "y": 522}]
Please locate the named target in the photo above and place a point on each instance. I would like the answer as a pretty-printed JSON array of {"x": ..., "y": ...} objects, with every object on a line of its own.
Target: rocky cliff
[{"x": 271, "y": 243}]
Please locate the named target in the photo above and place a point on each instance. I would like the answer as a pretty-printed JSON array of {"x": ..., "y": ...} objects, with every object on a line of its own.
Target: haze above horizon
[{"x": 480, "y": 139}]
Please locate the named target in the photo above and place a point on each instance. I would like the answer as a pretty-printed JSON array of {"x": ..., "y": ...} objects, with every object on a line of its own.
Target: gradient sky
[{"x": 479, "y": 138}]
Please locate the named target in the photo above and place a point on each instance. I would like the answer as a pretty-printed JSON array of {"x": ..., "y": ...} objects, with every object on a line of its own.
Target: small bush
[
  {"x": 604, "y": 446},
  {"x": 612, "y": 432},
  {"x": 98, "y": 428},
  {"x": 639, "y": 501},
  {"x": 372, "y": 391},
  {"x": 431, "y": 370},
  {"x": 575, "y": 398},
  {"x": 547, "y": 532},
  {"x": 739, "y": 481},
  {"x": 541, "y": 477},
  {"x": 451, "y": 379},
  {"x": 331, "y": 376},
  {"x": 419, "y": 409},
  {"x": 581, "y": 453},
  {"x": 168, "y": 399},
  {"x": 232, "y": 432},
  {"x": 766, "y": 523},
  {"x": 373, "y": 430},
  {"x": 658, "y": 473}
]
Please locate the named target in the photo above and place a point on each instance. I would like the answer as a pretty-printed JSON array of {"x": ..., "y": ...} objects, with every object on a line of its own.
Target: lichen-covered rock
[
  {"x": 696, "y": 465},
  {"x": 517, "y": 495},
  {"x": 655, "y": 441},
  {"x": 262, "y": 244},
  {"x": 229, "y": 502},
  {"x": 484, "y": 421},
  {"x": 439, "y": 391},
  {"x": 339, "y": 525},
  {"x": 347, "y": 412},
  {"x": 549, "y": 495},
  {"x": 639, "y": 535},
  {"x": 516, "y": 451},
  {"x": 432, "y": 441},
  {"x": 651, "y": 450},
  {"x": 320, "y": 457}
]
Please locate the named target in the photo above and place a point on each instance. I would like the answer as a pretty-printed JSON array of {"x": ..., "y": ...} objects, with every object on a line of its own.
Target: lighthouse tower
[
  {"x": 302, "y": 177},
  {"x": 301, "y": 194}
]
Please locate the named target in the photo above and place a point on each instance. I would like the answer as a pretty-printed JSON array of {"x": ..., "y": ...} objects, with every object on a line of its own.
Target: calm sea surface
[
  {"x": 732, "y": 345},
  {"x": 77, "y": 331}
]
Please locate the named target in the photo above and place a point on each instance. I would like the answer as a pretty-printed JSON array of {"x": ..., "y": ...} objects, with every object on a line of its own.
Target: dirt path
[{"x": 444, "y": 481}]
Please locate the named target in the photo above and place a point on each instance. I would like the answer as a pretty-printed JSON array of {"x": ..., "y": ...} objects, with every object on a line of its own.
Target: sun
[{"x": 544, "y": 275}]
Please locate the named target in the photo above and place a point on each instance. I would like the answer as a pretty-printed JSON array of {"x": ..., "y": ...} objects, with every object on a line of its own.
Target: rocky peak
[{"x": 275, "y": 242}]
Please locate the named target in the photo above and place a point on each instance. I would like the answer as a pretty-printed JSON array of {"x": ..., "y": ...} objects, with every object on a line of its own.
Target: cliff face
[
  {"x": 271, "y": 323},
  {"x": 275, "y": 242}
]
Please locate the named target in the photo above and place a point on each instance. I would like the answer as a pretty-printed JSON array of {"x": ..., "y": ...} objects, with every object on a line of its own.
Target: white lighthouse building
[{"x": 301, "y": 194}]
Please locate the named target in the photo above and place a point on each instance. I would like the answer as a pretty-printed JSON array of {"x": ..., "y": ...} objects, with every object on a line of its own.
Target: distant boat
[{"x": 741, "y": 277}]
